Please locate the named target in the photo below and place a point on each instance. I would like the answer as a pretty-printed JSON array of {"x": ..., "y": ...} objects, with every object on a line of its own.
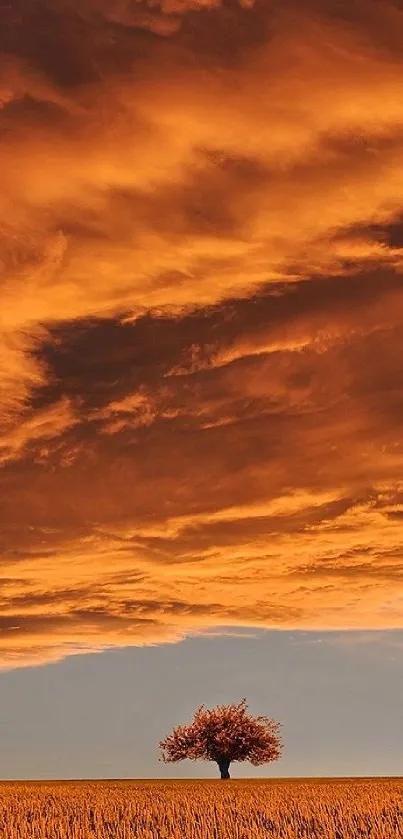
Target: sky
[{"x": 201, "y": 390}]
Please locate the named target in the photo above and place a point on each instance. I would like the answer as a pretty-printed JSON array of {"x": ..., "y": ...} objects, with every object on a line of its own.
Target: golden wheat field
[{"x": 237, "y": 809}]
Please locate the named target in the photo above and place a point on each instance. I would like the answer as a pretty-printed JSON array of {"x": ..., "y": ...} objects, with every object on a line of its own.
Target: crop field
[{"x": 235, "y": 809}]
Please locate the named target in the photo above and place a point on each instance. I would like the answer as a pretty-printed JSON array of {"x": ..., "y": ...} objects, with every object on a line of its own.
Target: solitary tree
[{"x": 224, "y": 734}]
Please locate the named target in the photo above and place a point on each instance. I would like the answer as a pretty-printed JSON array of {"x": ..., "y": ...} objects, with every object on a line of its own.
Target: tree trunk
[{"x": 223, "y": 765}]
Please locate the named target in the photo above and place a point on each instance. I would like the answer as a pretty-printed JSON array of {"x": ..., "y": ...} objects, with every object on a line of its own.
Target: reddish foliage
[{"x": 224, "y": 732}]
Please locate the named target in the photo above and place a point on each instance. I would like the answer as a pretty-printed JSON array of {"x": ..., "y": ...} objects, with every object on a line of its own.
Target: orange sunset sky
[{"x": 201, "y": 320}]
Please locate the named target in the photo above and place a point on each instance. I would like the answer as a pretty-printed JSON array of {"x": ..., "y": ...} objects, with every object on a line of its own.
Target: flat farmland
[{"x": 340, "y": 808}]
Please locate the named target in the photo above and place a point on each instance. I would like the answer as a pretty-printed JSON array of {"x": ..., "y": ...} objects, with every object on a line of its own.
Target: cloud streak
[{"x": 201, "y": 234}]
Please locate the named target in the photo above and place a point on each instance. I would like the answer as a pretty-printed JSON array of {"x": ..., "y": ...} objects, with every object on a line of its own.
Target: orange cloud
[
  {"x": 41, "y": 425},
  {"x": 201, "y": 234}
]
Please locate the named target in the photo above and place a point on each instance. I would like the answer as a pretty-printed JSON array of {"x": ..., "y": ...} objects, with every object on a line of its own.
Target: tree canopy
[{"x": 224, "y": 734}]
